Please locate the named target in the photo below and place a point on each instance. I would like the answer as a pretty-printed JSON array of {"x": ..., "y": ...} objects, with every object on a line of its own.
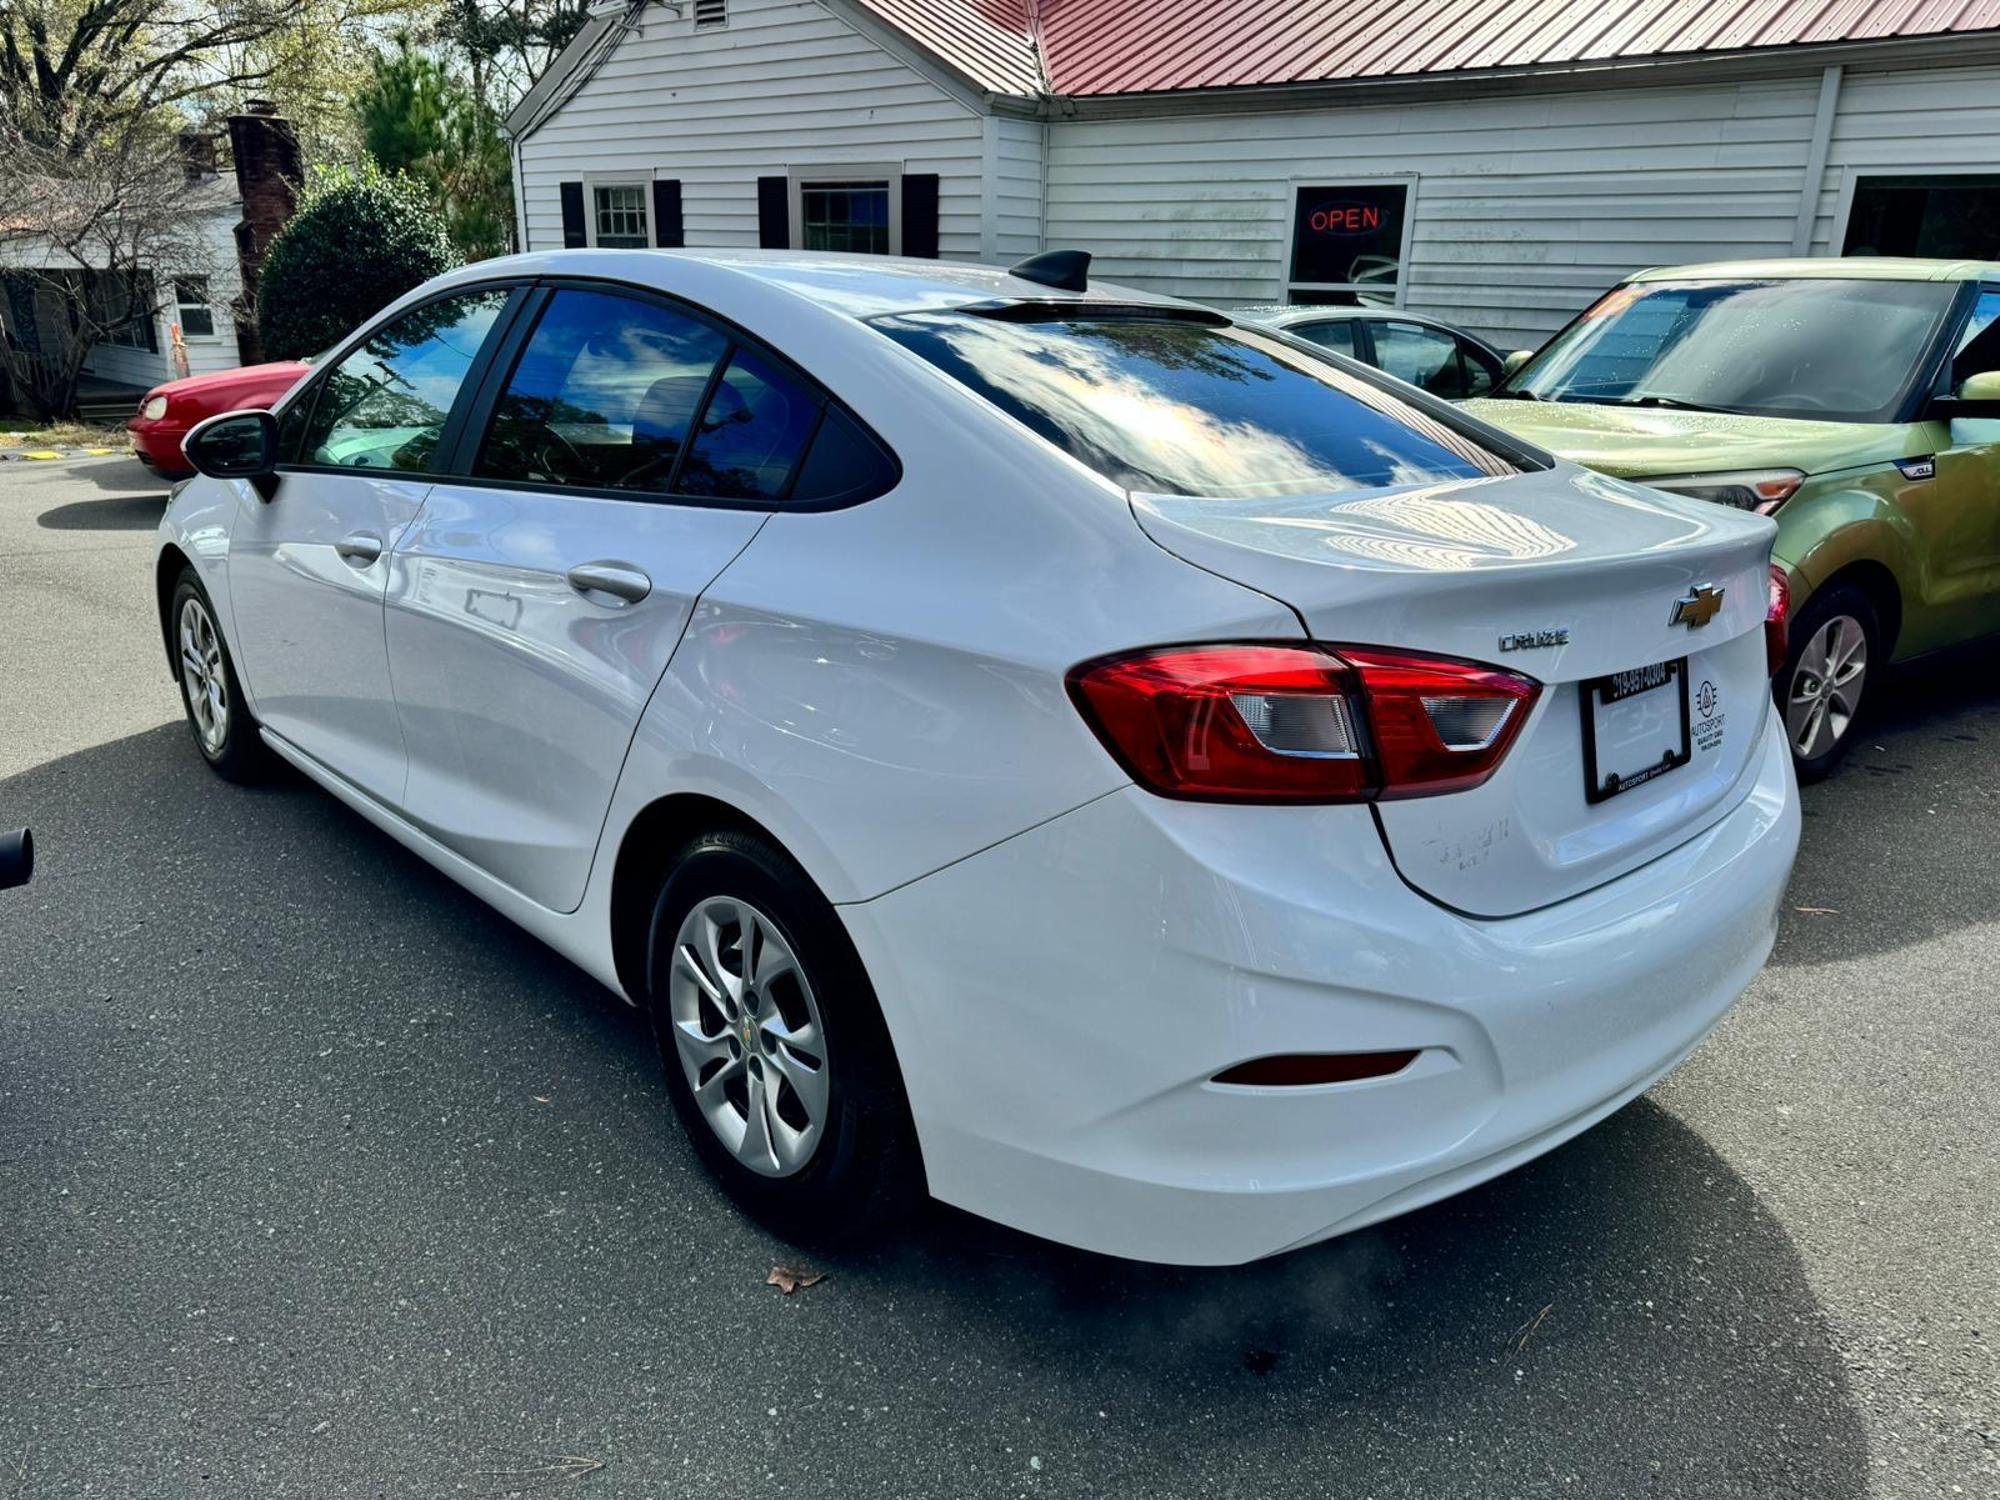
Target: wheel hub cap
[
  {"x": 1826, "y": 687},
  {"x": 203, "y": 675},
  {"x": 747, "y": 1030}
]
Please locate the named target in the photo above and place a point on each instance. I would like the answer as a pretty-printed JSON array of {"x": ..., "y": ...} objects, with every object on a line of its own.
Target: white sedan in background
[{"x": 1051, "y": 747}]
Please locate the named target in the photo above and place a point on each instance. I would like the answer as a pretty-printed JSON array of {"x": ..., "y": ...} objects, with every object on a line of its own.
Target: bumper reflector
[{"x": 1302, "y": 1069}]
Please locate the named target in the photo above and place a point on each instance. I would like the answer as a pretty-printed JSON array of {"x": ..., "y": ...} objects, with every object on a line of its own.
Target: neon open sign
[{"x": 1345, "y": 218}]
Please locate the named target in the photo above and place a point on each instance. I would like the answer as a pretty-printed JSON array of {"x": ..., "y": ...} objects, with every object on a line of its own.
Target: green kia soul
[{"x": 1856, "y": 401}]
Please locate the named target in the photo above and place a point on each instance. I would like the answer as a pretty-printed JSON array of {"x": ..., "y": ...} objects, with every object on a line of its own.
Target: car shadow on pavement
[
  {"x": 1897, "y": 845},
  {"x": 322, "y": 1177},
  {"x": 117, "y": 513}
]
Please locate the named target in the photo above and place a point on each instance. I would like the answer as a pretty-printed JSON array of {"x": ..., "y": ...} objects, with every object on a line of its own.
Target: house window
[
  {"x": 710, "y": 13},
  {"x": 619, "y": 216},
  {"x": 848, "y": 215},
  {"x": 127, "y": 300},
  {"x": 191, "y": 306},
  {"x": 1349, "y": 241},
  {"x": 1942, "y": 217}
]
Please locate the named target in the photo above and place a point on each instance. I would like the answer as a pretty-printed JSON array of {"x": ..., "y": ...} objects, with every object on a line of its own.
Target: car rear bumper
[{"x": 1061, "y": 1002}]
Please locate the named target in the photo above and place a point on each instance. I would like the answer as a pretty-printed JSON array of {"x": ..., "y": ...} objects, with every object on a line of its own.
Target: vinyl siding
[
  {"x": 785, "y": 84},
  {"x": 1942, "y": 120},
  {"x": 1526, "y": 207},
  {"x": 1016, "y": 170}
]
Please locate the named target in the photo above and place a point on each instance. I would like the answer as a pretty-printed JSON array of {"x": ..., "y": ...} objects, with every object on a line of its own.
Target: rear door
[
  {"x": 632, "y": 449},
  {"x": 308, "y": 567}
]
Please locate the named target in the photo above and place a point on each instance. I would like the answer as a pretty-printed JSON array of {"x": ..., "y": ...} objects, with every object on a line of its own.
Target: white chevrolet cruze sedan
[{"x": 1040, "y": 744}]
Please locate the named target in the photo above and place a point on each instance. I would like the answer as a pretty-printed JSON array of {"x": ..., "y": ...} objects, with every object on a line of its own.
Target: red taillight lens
[
  {"x": 1437, "y": 725},
  {"x": 1776, "y": 613},
  {"x": 1301, "y": 724}
]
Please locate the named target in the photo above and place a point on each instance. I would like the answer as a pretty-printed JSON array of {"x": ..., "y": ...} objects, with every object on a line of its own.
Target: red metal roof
[{"x": 1085, "y": 47}]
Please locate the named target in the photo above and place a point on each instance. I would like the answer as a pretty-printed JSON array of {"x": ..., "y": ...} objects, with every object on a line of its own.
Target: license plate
[{"x": 1635, "y": 727}]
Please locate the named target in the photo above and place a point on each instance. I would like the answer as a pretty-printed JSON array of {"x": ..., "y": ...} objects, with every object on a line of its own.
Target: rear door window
[
  {"x": 1426, "y": 357},
  {"x": 757, "y": 422},
  {"x": 1336, "y": 334},
  {"x": 603, "y": 396},
  {"x": 1185, "y": 407}
]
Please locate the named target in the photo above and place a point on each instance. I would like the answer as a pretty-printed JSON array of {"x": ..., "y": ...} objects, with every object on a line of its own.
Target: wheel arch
[
  {"x": 1876, "y": 581},
  {"x": 1874, "y": 552},
  {"x": 167, "y": 570},
  {"x": 645, "y": 853}
]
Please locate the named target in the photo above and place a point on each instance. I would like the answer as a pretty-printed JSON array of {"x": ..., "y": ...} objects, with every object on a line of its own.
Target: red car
[{"x": 169, "y": 410}]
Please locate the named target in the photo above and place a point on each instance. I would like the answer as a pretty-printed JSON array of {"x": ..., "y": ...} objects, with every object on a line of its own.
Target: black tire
[
  {"x": 1794, "y": 687},
  {"x": 239, "y": 754},
  {"x": 864, "y": 1174}
]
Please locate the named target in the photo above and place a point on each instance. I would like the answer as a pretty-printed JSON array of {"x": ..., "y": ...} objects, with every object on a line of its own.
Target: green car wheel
[{"x": 1835, "y": 653}]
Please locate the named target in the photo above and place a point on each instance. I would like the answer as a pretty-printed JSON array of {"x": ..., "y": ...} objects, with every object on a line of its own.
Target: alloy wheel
[
  {"x": 203, "y": 675},
  {"x": 748, "y": 1033},
  {"x": 1826, "y": 685}
]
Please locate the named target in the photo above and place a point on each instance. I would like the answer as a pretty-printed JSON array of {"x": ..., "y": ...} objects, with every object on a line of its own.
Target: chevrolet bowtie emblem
[{"x": 1697, "y": 606}]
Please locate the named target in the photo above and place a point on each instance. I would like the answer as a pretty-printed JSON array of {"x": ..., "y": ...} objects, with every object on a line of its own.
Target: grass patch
[{"x": 23, "y": 432}]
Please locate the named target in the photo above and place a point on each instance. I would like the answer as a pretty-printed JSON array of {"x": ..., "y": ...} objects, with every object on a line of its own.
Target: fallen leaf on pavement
[
  {"x": 541, "y": 1098},
  {"x": 789, "y": 1279},
  {"x": 1528, "y": 1329}
]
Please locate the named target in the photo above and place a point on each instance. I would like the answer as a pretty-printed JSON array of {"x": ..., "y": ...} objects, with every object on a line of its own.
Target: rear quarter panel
[{"x": 882, "y": 686}]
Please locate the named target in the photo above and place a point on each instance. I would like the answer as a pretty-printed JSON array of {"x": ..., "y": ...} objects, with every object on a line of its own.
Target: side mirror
[
  {"x": 1982, "y": 389},
  {"x": 1514, "y": 361},
  {"x": 1973, "y": 410},
  {"x": 237, "y": 445}
]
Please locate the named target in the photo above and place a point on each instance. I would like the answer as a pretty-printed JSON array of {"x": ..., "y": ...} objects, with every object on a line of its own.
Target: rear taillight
[
  {"x": 1301, "y": 723},
  {"x": 1777, "y": 611}
]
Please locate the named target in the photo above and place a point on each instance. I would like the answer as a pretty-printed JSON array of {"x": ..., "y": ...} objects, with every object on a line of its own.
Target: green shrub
[{"x": 359, "y": 240}]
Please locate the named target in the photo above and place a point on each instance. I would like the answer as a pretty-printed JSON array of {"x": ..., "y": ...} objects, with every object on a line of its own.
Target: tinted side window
[
  {"x": 1979, "y": 345},
  {"x": 603, "y": 395},
  {"x": 1423, "y": 356},
  {"x": 843, "y": 462},
  {"x": 752, "y": 431},
  {"x": 384, "y": 406},
  {"x": 1336, "y": 334}
]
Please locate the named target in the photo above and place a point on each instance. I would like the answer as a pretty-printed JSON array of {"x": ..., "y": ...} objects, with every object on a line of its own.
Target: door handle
[
  {"x": 359, "y": 547},
  {"x": 621, "y": 579}
]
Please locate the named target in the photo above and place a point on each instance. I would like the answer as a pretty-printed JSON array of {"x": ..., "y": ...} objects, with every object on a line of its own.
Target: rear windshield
[{"x": 1179, "y": 407}]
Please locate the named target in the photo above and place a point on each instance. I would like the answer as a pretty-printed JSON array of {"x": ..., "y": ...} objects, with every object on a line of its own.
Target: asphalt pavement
[{"x": 317, "y": 1178}]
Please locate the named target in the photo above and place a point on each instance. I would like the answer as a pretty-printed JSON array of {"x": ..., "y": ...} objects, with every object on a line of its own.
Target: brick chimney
[
  {"x": 197, "y": 155},
  {"x": 268, "y": 172}
]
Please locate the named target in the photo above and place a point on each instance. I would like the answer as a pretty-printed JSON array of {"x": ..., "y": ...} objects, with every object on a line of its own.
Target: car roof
[
  {"x": 856, "y": 285},
  {"x": 1275, "y": 313},
  {"x": 1828, "y": 267}
]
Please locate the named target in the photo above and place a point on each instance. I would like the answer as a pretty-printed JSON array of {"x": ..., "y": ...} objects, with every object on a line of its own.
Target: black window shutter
[
  {"x": 667, "y": 232},
  {"x": 920, "y": 214},
  {"x": 574, "y": 237},
  {"x": 774, "y": 213}
]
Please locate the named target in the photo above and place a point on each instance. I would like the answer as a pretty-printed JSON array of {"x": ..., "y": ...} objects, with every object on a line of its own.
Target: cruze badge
[
  {"x": 1697, "y": 606},
  {"x": 1528, "y": 640}
]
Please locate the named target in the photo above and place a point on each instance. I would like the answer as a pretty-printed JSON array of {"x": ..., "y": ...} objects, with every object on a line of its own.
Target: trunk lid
[{"x": 1451, "y": 569}]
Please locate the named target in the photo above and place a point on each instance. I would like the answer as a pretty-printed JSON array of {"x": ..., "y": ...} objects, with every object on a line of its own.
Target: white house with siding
[{"x": 1493, "y": 162}]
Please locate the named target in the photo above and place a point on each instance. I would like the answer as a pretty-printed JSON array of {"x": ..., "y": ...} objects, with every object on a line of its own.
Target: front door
[
  {"x": 1964, "y": 539},
  {"x": 308, "y": 567},
  {"x": 533, "y": 608}
]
